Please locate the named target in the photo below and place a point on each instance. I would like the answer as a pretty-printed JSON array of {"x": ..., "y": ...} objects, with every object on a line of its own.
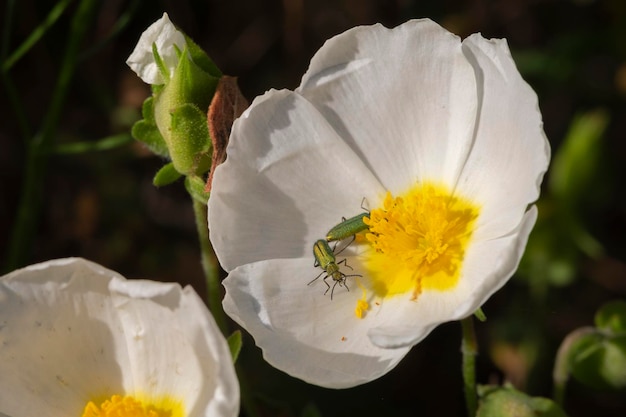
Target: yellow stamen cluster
[
  {"x": 418, "y": 240},
  {"x": 127, "y": 406}
]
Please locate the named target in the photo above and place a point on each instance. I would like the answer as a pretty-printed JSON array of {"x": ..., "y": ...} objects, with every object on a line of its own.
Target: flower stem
[
  {"x": 211, "y": 272},
  {"x": 210, "y": 266},
  {"x": 469, "y": 348},
  {"x": 560, "y": 373}
]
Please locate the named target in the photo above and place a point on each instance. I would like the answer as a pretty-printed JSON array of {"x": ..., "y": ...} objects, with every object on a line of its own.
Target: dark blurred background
[{"x": 101, "y": 205}]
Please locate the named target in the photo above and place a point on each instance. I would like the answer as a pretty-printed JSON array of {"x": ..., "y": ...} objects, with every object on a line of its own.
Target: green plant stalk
[
  {"x": 36, "y": 34},
  {"x": 247, "y": 400},
  {"x": 12, "y": 93},
  {"x": 104, "y": 144},
  {"x": 211, "y": 272},
  {"x": 7, "y": 26},
  {"x": 30, "y": 203},
  {"x": 560, "y": 373},
  {"x": 469, "y": 349},
  {"x": 121, "y": 23},
  {"x": 17, "y": 107},
  {"x": 210, "y": 266}
]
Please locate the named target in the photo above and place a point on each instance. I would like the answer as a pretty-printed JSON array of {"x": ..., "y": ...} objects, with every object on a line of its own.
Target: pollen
[
  {"x": 418, "y": 240},
  {"x": 361, "y": 307},
  {"x": 128, "y": 406}
]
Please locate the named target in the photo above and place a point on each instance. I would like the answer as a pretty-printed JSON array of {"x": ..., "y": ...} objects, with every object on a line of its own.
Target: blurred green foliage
[
  {"x": 560, "y": 238},
  {"x": 507, "y": 401},
  {"x": 96, "y": 198},
  {"x": 597, "y": 357}
]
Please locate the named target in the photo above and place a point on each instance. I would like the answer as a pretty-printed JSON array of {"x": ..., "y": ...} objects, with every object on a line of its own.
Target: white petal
[
  {"x": 404, "y": 99},
  {"x": 171, "y": 353},
  {"x": 72, "y": 331},
  {"x": 288, "y": 179},
  {"x": 510, "y": 152},
  {"x": 54, "y": 353},
  {"x": 165, "y": 35},
  {"x": 479, "y": 281},
  {"x": 302, "y": 331}
]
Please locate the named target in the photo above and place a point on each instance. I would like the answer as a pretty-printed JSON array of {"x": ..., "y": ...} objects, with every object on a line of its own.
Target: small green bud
[{"x": 183, "y": 80}]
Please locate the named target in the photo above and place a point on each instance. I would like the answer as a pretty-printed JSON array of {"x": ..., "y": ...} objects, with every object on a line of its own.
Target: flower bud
[
  {"x": 184, "y": 80},
  {"x": 180, "y": 112}
]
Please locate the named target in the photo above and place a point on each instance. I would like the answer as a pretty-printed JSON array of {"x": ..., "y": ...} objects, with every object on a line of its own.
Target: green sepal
[
  {"x": 193, "y": 83},
  {"x": 156, "y": 90},
  {"x": 146, "y": 130},
  {"x": 480, "y": 315},
  {"x": 498, "y": 401},
  {"x": 201, "y": 59},
  {"x": 189, "y": 84},
  {"x": 159, "y": 62},
  {"x": 234, "y": 344},
  {"x": 190, "y": 144},
  {"x": 195, "y": 188},
  {"x": 166, "y": 175}
]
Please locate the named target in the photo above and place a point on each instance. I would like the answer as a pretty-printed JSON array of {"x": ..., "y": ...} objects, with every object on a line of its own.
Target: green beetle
[{"x": 325, "y": 258}]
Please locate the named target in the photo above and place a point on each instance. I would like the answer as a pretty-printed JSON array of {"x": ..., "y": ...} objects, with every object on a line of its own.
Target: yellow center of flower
[
  {"x": 418, "y": 241},
  {"x": 128, "y": 406}
]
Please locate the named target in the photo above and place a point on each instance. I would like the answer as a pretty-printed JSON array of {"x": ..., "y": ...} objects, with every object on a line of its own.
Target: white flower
[
  {"x": 167, "y": 38},
  {"x": 440, "y": 139},
  {"x": 73, "y": 332}
]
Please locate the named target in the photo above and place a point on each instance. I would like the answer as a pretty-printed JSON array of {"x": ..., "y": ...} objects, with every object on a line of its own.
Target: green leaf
[
  {"x": 550, "y": 258},
  {"x": 195, "y": 188},
  {"x": 166, "y": 175},
  {"x": 611, "y": 317},
  {"x": 575, "y": 165},
  {"x": 574, "y": 180},
  {"x": 234, "y": 344},
  {"x": 146, "y": 130},
  {"x": 507, "y": 401},
  {"x": 599, "y": 361}
]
